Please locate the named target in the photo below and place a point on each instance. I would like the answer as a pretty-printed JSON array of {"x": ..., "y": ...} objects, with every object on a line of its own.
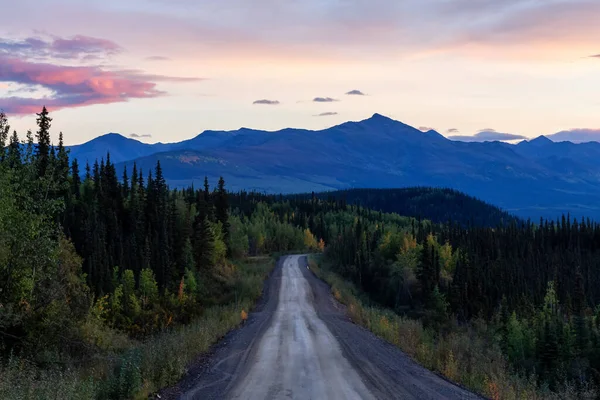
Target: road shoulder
[
  {"x": 211, "y": 375},
  {"x": 386, "y": 370}
]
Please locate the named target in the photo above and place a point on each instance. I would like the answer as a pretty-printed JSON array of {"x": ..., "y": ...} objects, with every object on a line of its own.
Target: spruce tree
[
  {"x": 204, "y": 247},
  {"x": 426, "y": 271},
  {"x": 29, "y": 149},
  {"x": 62, "y": 158},
  {"x": 125, "y": 183},
  {"x": 579, "y": 304},
  {"x": 4, "y": 130},
  {"x": 14, "y": 151},
  {"x": 222, "y": 208},
  {"x": 76, "y": 179},
  {"x": 43, "y": 138}
]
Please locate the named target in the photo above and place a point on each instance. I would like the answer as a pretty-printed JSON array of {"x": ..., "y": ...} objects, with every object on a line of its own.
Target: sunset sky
[{"x": 173, "y": 68}]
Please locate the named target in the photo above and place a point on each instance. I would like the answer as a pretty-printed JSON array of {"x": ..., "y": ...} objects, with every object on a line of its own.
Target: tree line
[
  {"x": 83, "y": 250},
  {"x": 535, "y": 285}
]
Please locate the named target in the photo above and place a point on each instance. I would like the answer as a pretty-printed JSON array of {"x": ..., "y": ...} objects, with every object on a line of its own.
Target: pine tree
[
  {"x": 29, "y": 149},
  {"x": 76, "y": 179},
  {"x": 125, "y": 183},
  {"x": 204, "y": 247},
  {"x": 222, "y": 208},
  {"x": 14, "y": 151},
  {"x": 206, "y": 190},
  {"x": 426, "y": 271},
  {"x": 4, "y": 130},
  {"x": 43, "y": 139},
  {"x": 205, "y": 206},
  {"x": 63, "y": 159},
  {"x": 582, "y": 332}
]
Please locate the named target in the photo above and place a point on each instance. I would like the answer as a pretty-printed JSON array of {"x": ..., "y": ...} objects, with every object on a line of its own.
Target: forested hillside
[
  {"x": 531, "y": 180},
  {"x": 111, "y": 285},
  {"x": 437, "y": 205},
  {"x": 522, "y": 296},
  {"x": 100, "y": 276}
]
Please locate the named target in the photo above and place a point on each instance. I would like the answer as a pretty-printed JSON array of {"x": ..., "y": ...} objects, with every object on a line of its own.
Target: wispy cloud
[
  {"x": 452, "y": 130},
  {"x": 157, "y": 58},
  {"x": 324, "y": 100},
  {"x": 136, "y": 136},
  {"x": 355, "y": 93},
  {"x": 79, "y": 47},
  {"x": 267, "y": 102},
  {"x": 487, "y": 135},
  {"x": 576, "y": 136},
  {"x": 595, "y": 56},
  {"x": 335, "y": 29},
  {"x": 75, "y": 86},
  {"x": 326, "y": 114}
]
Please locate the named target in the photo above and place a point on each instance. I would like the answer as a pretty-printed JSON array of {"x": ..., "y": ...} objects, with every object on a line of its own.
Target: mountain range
[{"x": 536, "y": 178}]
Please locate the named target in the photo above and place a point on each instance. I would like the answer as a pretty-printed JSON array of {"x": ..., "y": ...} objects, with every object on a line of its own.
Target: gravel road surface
[{"x": 299, "y": 344}]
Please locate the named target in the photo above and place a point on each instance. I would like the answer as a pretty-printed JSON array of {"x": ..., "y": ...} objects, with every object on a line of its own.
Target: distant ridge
[
  {"x": 438, "y": 205},
  {"x": 531, "y": 179}
]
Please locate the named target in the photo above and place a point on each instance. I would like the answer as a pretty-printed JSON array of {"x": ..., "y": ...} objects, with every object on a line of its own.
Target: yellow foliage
[
  {"x": 451, "y": 367},
  {"x": 181, "y": 291},
  {"x": 409, "y": 242},
  {"x": 385, "y": 324},
  {"x": 100, "y": 309},
  {"x": 260, "y": 243},
  {"x": 492, "y": 389},
  {"x": 446, "y": 257},
  {"x": 431, "y": 240},
  {"x": 336, "y": 294},
  {"x": 309, "y": 240},
  {"x": 244, "y": 315},
  {"x": 321, "y": 245}
]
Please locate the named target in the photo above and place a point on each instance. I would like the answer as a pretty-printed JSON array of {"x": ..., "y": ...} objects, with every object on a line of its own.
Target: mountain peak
[
  {"x": 112, "y": 134},
  {"x": 379, "y": 120},
  {"x": 434, "y": 134},
  {"x": 541, "y": 141},
  {"x": 379, "y": 117}
]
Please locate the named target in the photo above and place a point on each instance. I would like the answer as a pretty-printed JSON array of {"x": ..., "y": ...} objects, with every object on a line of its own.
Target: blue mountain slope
[
  {"x": 120, "y": 149},
  {"x": 532, "y": 179},
  {"x": 585, "y": 154}
]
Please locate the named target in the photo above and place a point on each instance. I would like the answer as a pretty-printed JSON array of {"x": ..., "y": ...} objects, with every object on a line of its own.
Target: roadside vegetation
[
  {"x": 111, "y": 285},
  {"x": 125, "y": 368},
  {"x": 469, "y": 355},
  {"x": 111, "y": 282}
]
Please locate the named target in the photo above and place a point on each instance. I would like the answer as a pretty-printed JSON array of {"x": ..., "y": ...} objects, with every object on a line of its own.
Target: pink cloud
[{"x": 76, "y": 86}]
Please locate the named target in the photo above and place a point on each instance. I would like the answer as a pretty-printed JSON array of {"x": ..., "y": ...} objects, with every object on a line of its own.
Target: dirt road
[{"x": 299, "y": 344}]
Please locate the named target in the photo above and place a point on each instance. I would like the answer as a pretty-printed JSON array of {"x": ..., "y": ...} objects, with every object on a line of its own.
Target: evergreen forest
[{"x": 111, "y": 282}]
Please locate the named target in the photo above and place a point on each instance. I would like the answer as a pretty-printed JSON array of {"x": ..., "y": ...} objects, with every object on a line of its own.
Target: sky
[{"x": 166, "y": 70}]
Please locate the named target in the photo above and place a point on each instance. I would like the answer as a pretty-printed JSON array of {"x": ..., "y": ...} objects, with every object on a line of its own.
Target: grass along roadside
[
  {"x": 467, "y": 355},
  {"x": 143, "y": 367}
]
